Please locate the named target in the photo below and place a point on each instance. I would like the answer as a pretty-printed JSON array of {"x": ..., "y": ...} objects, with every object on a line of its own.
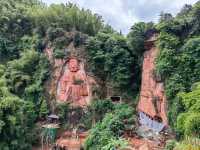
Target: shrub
[
  {"x": 53, "y": 33},
  {"x": 59, "y": 53},
  {"x": 62, "y": 110},
  {"x": 100, "y": 107},
  {"x": 188, "y": 122},
  {"x": 170, "y": 144},
  {"x": 107, "y": 133},
  {"x": 189, "y": 143},
  {"x": 43, "y": 109},
  {"x": 116, "y": 144}
]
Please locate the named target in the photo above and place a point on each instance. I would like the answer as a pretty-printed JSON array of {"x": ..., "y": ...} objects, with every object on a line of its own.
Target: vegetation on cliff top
[{"x": 178, "y": 64}]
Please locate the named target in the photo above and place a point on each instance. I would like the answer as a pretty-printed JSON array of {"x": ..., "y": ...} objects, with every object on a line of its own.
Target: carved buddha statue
[{"x": 73, "y": 84}]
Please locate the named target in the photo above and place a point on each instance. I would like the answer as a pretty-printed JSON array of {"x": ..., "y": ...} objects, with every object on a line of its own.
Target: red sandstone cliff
[
  {"x": 69, "y": 81},
  {"x": 152, "y": 97}
]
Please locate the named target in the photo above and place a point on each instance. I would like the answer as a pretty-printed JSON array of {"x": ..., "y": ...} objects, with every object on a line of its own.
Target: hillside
[{"x": 64, "y": 60}]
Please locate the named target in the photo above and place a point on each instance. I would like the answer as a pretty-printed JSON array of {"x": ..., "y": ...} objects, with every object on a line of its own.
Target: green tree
[
  {"x": 136, "y": 40},
  {"x": 16, "y": 120},
  {"x": 107, "y": 133},
  {"x": 188, "y": 122},
  {"x": 43, "y": 109},
  {"x": 109, "y": 51},
  {"x": 178, "y": 60}
]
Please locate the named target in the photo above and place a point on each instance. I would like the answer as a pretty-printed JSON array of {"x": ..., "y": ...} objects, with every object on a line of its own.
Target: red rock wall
[
  {"x": 152, "y": 98},
  {"x": 69, "y": 80}
]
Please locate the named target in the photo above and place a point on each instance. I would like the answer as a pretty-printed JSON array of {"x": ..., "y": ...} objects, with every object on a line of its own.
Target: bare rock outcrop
[
  {"x": 152, "y": 105},
  {"x": 69, "y": 80}
]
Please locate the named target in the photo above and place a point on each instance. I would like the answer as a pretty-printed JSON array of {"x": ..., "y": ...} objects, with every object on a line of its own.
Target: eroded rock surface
[
  {"x": 74, "y": 85},
  {"x": 152, "y": 97},
  {"x": 69, "y": 81}
]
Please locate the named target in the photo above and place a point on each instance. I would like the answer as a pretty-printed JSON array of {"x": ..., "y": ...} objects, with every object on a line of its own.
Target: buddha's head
[{"x": 73, "y": 65}]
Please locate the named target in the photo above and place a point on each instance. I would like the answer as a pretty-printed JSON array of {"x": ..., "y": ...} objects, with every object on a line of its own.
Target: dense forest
[{"x": 26, "y": 27}]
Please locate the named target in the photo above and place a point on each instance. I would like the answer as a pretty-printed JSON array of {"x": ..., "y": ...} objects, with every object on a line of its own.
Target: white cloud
[{"x": 122, "y": 14}]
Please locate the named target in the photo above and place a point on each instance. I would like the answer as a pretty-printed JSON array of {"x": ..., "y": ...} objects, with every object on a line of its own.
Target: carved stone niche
[
  {"x": 74, "y": 86},
  {"x": 115, "y": 99}
]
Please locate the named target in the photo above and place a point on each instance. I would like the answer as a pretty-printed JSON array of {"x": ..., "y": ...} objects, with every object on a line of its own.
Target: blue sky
[{"x": 122, "y": 14}]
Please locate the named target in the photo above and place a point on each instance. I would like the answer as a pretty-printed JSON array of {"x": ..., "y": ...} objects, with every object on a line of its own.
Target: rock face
[
  {"x": 73, "y": 85},
  {"x": 69, "y": 81},
  {"x": 152, "y": 103}
]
